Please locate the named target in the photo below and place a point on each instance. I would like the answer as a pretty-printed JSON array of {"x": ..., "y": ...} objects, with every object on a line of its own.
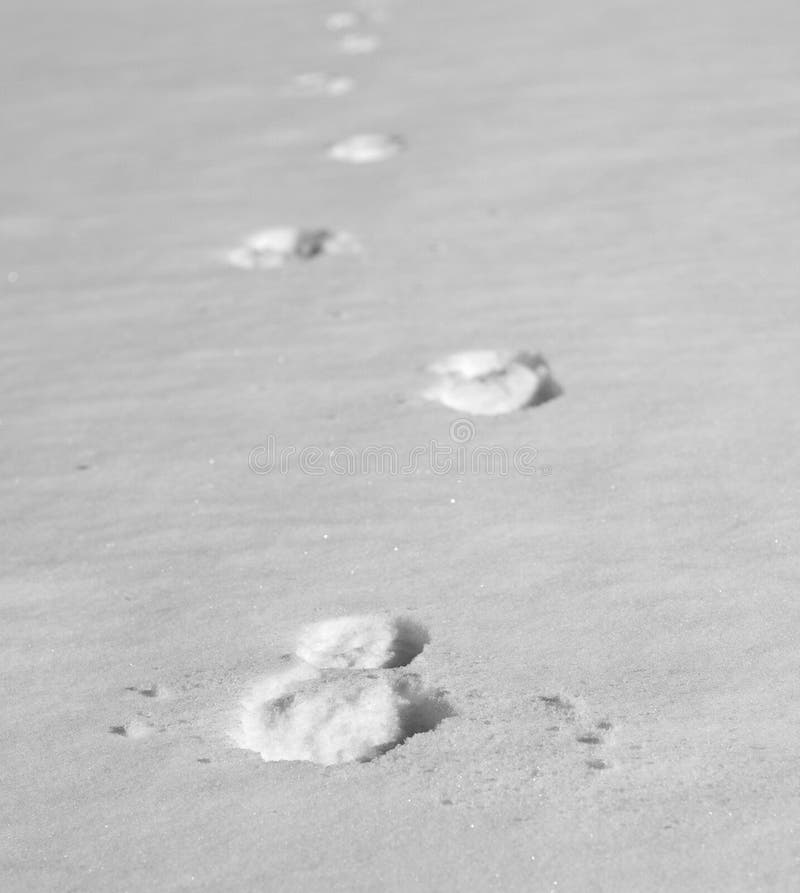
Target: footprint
[
  {"x": 344, "y": 701},
  {"x": 341, "y": 21},
  {"x": 359, "y": 44},
  {"x": 487, "y": 382},
  {"x": 367, "y": 148},
  {"x": 472, "y": 363},
  {"x": 321, "y": 83},
  {"x": 338, "y": 716},
  {"x": 362, "y": 641},
  {"x": 271, "y": 248}
]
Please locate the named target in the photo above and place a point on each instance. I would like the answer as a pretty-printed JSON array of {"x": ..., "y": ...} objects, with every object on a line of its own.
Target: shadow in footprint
[
  {"x": 420, "y": 711},
  {"x": 424, "y": 711},
  {"x": 409, "y": 640}
]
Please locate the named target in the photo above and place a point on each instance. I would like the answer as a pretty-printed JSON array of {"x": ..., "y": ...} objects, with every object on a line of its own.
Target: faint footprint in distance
[
  {"x": 269, "y": 249},
  {"x": 321, "y": 83},
  {"x": 359, "y": 44},
  {"x": 367, "y": 148},
  {"x": 490, "y": 382},
  {"x": 342, "y": 21}
]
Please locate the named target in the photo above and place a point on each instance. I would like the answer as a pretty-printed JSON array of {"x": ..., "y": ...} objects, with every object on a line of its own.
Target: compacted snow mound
[
  {"x": 489, "y": 382},
  {"x": 336, "y": 716},
  {"x": 362, "y": 641}
]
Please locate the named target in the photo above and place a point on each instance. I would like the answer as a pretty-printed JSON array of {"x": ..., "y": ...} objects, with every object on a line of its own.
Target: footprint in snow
[
  {"x": 359, "y": 44},
  {"x": 269, "y": 249},
  {"x": 489, "y": 382},
  {"x": 321, "y": 83},
  {"x": 367, "y": 148},
  {"x": 342, "y": 21},
  {"x": 342, "y": 702}
]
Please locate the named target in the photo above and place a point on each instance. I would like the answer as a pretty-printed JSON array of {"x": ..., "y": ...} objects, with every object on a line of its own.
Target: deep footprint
[{"x": 334, "y": 717}]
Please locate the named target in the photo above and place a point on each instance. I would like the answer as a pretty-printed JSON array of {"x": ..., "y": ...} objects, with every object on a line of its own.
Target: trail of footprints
[
  {"x": 346, "y": 695},
  {"x": 478, "y": 382}
]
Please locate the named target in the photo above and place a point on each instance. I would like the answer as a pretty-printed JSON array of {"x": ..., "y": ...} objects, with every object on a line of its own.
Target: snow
[
  {"x": 611, "y": 183},
  {"x": 369, "y": 642},
  {"x": 339, "y": 717}
]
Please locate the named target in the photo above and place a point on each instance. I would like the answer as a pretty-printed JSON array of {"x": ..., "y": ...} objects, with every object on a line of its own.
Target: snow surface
[{"x": 612, "y": 182}]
